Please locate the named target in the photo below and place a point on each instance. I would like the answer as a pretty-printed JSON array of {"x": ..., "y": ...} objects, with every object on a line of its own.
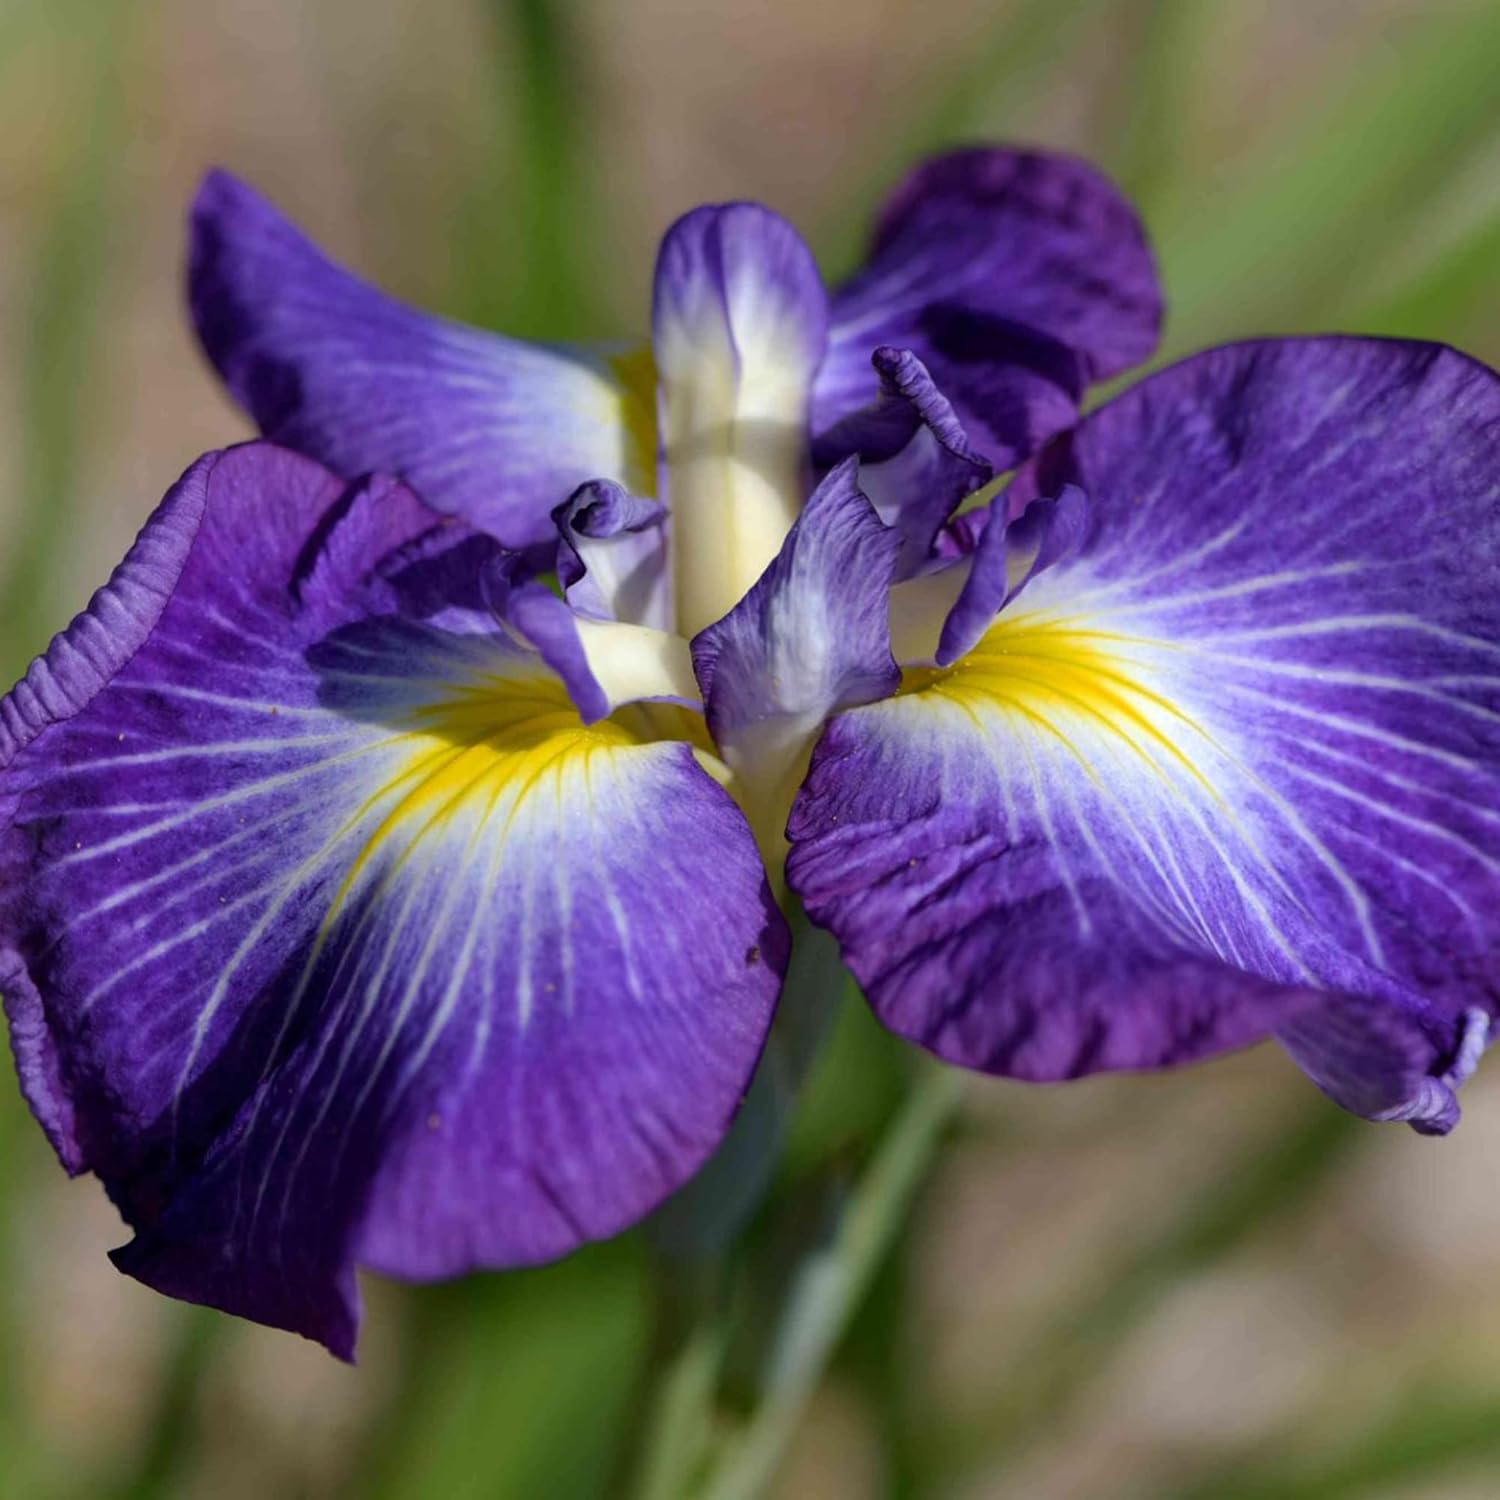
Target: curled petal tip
[{"x": 1434, "y": 1108}]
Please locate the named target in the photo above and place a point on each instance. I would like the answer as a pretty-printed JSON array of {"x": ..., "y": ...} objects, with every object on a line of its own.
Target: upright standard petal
[
  {"x": 1232, "y": 767},
  {"x": 496, "y": 431},
  {"x": 350, "y": 941},
  {"x": 810, "y": 638},
  {"x": 739, "y": 322},
  {"x": 1017, "y": 277}
]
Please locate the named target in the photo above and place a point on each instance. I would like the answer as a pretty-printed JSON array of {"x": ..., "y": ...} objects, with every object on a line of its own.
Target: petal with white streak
[
  {"x": 488, "y": 428},
  {"x": 353, "y": 943},
  {"x": 1230, "y": 768},
  {"x": 809, "y": 639}
]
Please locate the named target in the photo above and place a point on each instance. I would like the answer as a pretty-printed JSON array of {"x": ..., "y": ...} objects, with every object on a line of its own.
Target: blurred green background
[{"x": 1207, "y": 1286}]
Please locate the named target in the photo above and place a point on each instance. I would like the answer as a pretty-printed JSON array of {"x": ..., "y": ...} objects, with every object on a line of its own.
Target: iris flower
[{"x": 394, "y": 867}]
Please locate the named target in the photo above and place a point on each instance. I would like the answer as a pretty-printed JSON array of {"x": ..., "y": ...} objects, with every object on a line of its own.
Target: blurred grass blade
[
  {"x": 1424, "y": 1435},
  {"x": 64, "y": 332},
  {"x": 1048, "y": 1373},
  {"x": 679, "y": 1422},
  {"x": 1151, "y": 91},
  {"x": 530, "y": 213},
  {"x": 1454, "y": 298},
  {"x": 515, "y": 1384},
  {"x": 831, "y": 1284},
  {"x": 1325, "y": 185},
  {"x": 169, "y": 1437}
]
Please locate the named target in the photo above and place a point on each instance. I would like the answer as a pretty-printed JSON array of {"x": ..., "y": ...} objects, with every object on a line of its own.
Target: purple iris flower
[{"x": 366, "y": 900}]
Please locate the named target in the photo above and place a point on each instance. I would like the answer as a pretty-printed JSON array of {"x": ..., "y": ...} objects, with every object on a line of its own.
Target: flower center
[
  {"x": 476, "y": 751},
  {"x": 1073, "y": 683}
]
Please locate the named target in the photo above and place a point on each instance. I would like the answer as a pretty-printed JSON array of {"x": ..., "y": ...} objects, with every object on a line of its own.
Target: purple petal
[
  {"x": 82, "y": 658},
  {"x": 1006, "y": 557},
  {"x": 80, "y": 662},
  {"x": 916, "y": 464},
  {"x": 1017, "y": 277},
  {"x": 1241, "y": 747},
  {"x": 603, "y": 663},
  {"x": 353, "y": 945},
  {"x": 1387, "y": 1062},
  {"x": 739, "y": 322},
  {"x": 612, "y": 561},
  {"x": 494, "y": 430},
  {"x": 810, "y": 638}
]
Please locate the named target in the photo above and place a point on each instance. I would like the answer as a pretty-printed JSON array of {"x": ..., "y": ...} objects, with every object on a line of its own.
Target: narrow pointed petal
[
  {"x": 979, "y": 562},
  {"x": 916, "y": 463},
  {"x": 353, "y": 943},
  {"x": 810, "y": 638},
  {"x": 1017, "y": 277},
  {"x": 1229, "y": 769},
  {"x": 496, "y": 431},
  {"x": 739, "y": 320},
  {"x": 1007, "y": 556},
  {"x": 605, "y": 664}
]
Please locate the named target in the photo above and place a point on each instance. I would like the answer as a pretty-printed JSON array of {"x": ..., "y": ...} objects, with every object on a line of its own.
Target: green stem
[
  {"x": 522, "y": 261},
  {"x": 832, "y": 1285},
  {"x": 63, "y": 339},
  {"x": 680, "y": 1422},
  {"x": 171, "y": 1434}
]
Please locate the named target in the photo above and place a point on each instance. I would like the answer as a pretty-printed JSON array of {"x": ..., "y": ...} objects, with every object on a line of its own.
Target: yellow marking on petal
[
  {"x": 1053, "y": 670},
  {"x": 488, "y": 744},
  {"x": 636, "y": 373}
]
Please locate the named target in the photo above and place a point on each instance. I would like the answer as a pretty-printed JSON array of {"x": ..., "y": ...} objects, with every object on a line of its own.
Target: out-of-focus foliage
[{"x": 1209, "y": 1284}]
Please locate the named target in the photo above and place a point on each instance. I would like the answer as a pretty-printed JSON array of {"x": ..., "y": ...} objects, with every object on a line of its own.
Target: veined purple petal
[
  {"x": 811, "y": 637},
  {"x": 497, "y": 431},
  {"x": 1231, "y": 768},
  {"x": 739, "y": 322},
  {"x": 916, "y": 464},
  {"x": 352, "y": 944},
  {"x": 82, "y": 658},
  {"x": 1017, "y": 277},
  {"x": 1378, "y": 1059},
  {"x": 76, "y": 666}
]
